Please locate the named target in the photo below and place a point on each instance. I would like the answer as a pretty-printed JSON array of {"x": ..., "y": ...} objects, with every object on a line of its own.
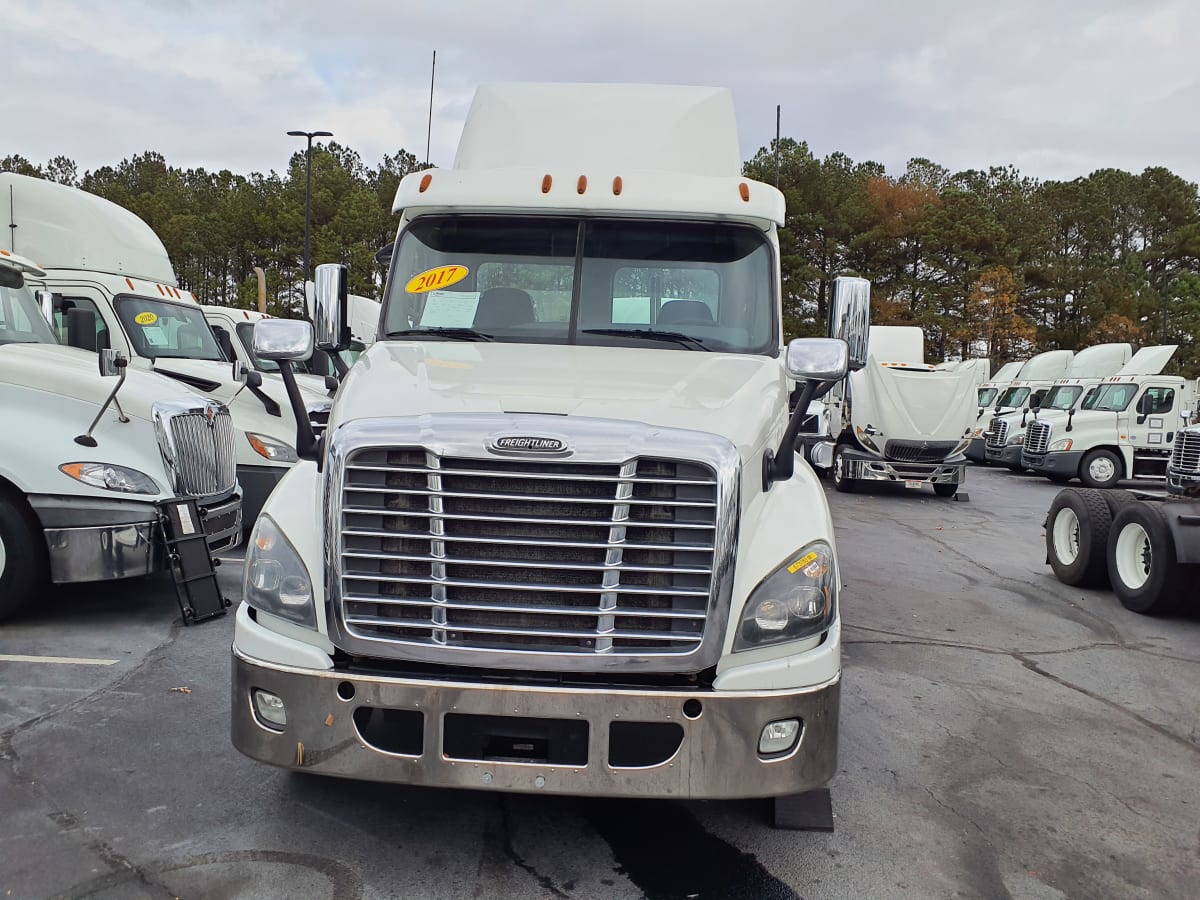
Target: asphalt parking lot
[{"x": 1001, "y": 735}]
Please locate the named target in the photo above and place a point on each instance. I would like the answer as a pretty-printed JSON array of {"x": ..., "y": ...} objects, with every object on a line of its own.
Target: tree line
[{"x": 988, "y": 263}]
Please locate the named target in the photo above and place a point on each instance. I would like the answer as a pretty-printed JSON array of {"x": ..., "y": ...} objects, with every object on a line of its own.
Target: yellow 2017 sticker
[
  {"x": 435, "y": 279},
  {"x": 146, "y": 318},
  {"x": 801, "y": 562}
]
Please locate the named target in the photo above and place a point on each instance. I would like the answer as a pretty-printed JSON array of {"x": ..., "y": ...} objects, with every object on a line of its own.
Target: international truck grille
[
  {"x": 1037, "y": 437},
  {"x": 203, "y": 453},
  {"x": 1185, "y": 458},
  {"x": 997, "y": 433},
  {"x": 918, "y": 451},
  {"x": 540, "y": 556}
]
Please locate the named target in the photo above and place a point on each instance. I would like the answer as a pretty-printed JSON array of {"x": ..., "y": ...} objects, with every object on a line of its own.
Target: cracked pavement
[{"x": 1001, "y": 735}]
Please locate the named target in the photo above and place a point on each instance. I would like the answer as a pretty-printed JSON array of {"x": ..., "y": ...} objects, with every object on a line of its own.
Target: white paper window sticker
[
  {"x": 154, "y": 336},
  {"x": 450, "y": 309}
]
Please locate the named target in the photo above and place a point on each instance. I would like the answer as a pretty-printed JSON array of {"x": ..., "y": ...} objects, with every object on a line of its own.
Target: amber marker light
[
  {"x": 582, "y": 186},
  {"x": 617, "y": 186},
  {"x": 744, "y": 190},
  {"x": 546, "y": 182},
  {"x": 425, "y": 182}
]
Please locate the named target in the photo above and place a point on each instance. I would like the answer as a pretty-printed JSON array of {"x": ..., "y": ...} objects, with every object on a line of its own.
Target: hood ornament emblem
[{"x": 525, "y": 443}]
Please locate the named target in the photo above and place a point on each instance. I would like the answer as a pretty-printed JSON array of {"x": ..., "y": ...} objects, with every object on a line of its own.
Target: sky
[{"x": 1058, "y": 88}]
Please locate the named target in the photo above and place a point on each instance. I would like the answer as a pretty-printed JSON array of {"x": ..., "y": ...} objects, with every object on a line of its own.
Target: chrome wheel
[
  {"x": 1066, "y": 535},
  {"x": 1133, "y": 556}
]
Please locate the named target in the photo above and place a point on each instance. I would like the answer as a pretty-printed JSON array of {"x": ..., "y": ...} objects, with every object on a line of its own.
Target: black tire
[
  {"x": 22, "y": 557},
  {"x": 943, "y": 489},
  {"x": 1108, "y": 469},
  {"x": 841, "y": 483},
  {"x": 1059, "y": 479},
  {"x": 1077, "y": 529},
  {"x": 1014, "y": 467},
  {"x": 1117, "y": 499},
  {"x": 1145, "y": 575}
]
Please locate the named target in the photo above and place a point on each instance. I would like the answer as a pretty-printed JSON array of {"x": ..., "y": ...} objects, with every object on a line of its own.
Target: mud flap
[
  {"x": 190, "y": 561},
  {"x": 810, "y": 811}
]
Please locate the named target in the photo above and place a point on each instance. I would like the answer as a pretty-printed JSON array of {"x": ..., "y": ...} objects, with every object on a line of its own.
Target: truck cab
[
  {"x": 555, "y": 538},
  {"x": 90, "y": 450},
  {"x": 989, "y": 393},
  {"x": 114, "y": 288},
  {"x": 1125, "y": 429},
  {"x": 1006, "y": 424}
]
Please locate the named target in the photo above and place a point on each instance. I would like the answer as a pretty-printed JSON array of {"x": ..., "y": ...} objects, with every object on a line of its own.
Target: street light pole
[{"x": 308, "y": 194}]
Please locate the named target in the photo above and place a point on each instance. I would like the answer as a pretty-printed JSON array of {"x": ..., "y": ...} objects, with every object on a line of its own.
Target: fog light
[
  {"x": 270, "y": 708},
  {"x": 779, "y": 737}
]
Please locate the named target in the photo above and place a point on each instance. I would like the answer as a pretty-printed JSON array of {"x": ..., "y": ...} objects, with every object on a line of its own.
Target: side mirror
[
  {"x": 818, "y": 359},
  {"x": 81, "y": 329},
  {"x": 1143, "y": 405},
  {"x": 1035, "y": 402},
  {"x": 45, "y": 300},
  {"x": 111, "y": 362},
  {"x": 331, "y": 319},
  {"x": 283, "y": 339},
  {"x": 850, "y": 316}
]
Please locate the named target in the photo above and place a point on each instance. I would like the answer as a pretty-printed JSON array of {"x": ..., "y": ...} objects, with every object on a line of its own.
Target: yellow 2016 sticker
[
  {"x": 801, "y": 562},
  {"x": 435, "y": 279},
  {"x": 146, "y": 318}
]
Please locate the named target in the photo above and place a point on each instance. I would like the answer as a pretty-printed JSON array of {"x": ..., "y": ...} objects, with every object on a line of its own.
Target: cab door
[{"x": 1152, "y": 427}]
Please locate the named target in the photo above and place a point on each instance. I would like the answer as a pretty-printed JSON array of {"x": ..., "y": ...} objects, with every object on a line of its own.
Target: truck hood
[
  {"x": 75, "y": 373},
  {"x": 913, "y": 405},
  {"x": 738, "y": 397}
]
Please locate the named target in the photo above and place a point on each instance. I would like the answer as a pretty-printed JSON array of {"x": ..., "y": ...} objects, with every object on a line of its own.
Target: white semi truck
[
  {"x": 989, "y": 393},
  {"x": 1011, "y": 412},
  {"x": 86, "y": 459},
  {"x": 114, "y": 288},
  {"x": 555, "y": 538},
  {"x": 1125, "y": 429},
  {"x": 898, "y": 419}
]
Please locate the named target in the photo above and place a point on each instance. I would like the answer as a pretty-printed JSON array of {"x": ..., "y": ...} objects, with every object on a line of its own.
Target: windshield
[
  {"x": 1062, "y": 396},
  {"x": 1111, "y": 398},
  {"x": 1013, "y": 397},
  {"x": 161, "y": 330},
  {"x": 21, "y": 319},
  {"x": 987, "y": 395},
  {"x": 631, "y": 283}
]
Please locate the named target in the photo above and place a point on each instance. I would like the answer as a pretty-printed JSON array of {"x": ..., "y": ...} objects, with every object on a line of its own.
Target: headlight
[
  {"x": 797, "y": 600},
  {"x": 111, "y": 478},
  {"x": 269, "y": 448},
  {"x": 865, "y": 439},
  {"x": 276, "y": 579},
  {"x": 1064, "y": 444},
  {"x": 1016, "y": 439},
  {"x": 979, "y": 432}
]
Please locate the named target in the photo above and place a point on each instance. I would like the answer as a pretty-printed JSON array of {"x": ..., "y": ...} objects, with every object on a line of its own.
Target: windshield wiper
[
  {"x": 675, "y": 337},
  {"x": 454, "y": 334}
]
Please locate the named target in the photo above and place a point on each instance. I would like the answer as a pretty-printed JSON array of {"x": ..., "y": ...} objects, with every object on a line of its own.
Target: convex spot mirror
[
  {"x": 283, "y": 339},
  {"x": 817, "y": 359},
  {"x": 243, "y": 374},
  {"x": 111, "y": 362}
]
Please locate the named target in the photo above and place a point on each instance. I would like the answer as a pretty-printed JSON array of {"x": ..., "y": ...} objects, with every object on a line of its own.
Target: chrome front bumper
[
  {"x": 716, "y": 756},
  {"x": 862, "y": 467},
  {"x": 105, "y": 552}
]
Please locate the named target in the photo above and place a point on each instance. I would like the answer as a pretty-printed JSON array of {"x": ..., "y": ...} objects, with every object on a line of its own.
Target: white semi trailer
[
  {"x": 555, "y": 538},
  {"x": 114, "y": 288},
  {"x": 88, "y": 454}
]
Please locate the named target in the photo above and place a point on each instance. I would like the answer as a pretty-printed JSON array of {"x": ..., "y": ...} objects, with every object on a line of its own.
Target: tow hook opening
[
  {"x": 640, "y": 745},
  {"x": 398, "y": 731}
]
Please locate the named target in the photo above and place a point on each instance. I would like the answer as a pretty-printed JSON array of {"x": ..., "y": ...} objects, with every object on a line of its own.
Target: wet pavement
[{"x": 1001, "y": 735}]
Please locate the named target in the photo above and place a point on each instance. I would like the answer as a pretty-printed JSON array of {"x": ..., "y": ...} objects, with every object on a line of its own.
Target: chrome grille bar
[
  {"x": 1185, "y": 457},
  {"x": 444, "y": 552},
  {"x": 1037, "y": 437},
  {"x": 997, "y": 433}
]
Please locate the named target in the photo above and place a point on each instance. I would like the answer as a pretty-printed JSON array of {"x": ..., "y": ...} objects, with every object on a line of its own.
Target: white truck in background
[
  {"x": 897, "y": 418},
  {"x": 114, "y": 288},
  {"x": 89, "y": 449},
  {"x": 989, "y": 393},
  {"x": 1011, "y": 412},
  {"x": 1125, "y": 429},
  {"x": 555, "y": 538}
]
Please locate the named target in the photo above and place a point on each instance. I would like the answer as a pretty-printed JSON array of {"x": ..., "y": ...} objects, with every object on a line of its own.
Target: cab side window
[
  {"x": 1159, "y": 400},
  {"x": 62, "y": 304}
]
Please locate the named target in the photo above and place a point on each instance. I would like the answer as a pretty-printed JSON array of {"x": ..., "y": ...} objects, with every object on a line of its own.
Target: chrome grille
[
  {"x": 997, "y": 433},
  {"x": 530, "y": 555},
  {"x": 1037, "y": 437},
  {"x": 202, "y": 451},
  {"x": 1185, "y": 457}
]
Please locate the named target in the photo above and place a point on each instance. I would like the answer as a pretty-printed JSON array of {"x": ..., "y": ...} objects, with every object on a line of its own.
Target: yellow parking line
[{"x": 60, "y": 660}]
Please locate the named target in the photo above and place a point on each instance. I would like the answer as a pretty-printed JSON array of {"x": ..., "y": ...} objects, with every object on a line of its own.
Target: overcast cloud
[{"x": 1056, "y": 88}]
